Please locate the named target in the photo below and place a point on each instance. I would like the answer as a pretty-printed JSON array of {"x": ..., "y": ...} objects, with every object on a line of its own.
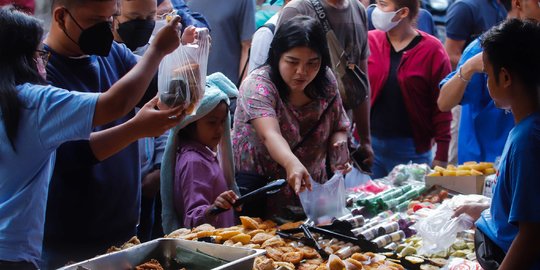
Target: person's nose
[{"x": 301, "y": 70}]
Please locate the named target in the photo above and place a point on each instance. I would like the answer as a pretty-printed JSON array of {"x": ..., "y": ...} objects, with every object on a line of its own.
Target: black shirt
[{"x": 389, "y": 117}]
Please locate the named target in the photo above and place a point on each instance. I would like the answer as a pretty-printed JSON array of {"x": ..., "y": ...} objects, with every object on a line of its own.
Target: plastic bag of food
[
  {"x": 182, "y": 73},
  {"x": 325, "y": 201},
  {"x": 411, "y": 173},
  {"x": 439, "y": 229}
]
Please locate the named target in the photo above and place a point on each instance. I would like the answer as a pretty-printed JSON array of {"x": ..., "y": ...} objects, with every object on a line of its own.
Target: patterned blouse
[{"x": 260, "y": 98}]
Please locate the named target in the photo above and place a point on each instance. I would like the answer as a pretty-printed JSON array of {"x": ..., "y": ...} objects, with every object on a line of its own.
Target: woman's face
[
  {"x": 210, "y": 128},
  {"x": 298, "y": 67}
]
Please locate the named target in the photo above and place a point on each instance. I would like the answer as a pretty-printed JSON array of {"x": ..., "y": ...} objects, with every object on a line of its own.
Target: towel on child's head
[{"x": 218, "y": 88}]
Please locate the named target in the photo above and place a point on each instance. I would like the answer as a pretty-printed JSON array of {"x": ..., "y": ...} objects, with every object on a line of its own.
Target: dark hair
[
  {"x": 300, "y": 31},
  {"x": 20, "y": 36},
  {"x": 515, "y": 45},
  {"x": 507, "y": 4},
  {"x": 413, "y": 5},
  {"x": 71, "y": 3}
]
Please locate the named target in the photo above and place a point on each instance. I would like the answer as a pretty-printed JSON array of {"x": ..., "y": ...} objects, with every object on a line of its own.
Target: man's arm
[
  {"x": 243, "y": 59},
  {"x": 522, "y": 253},
  {"x": 454, "y": 49},
  {"x": 361, "y": 118}
]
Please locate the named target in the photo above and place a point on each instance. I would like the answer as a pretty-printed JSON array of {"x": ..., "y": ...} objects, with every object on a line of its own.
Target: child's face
[
  {"x": 210, "y": 128},
  {"x": 497, "y": 90}
]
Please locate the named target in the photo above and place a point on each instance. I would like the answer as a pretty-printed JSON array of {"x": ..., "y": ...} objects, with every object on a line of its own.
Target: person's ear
[
  {"x": 505, "y": 78},
  {"x": 401, "y": 14},
  {"x": 518, "y": 5},
  {"x": 59, "y": 14}
]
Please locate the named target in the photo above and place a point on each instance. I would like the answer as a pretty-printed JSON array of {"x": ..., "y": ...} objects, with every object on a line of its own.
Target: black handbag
[
  {"x": 488, "y": 254},
  {"x": 248, "y": 181},
  {"x": 352, "y": 81}
]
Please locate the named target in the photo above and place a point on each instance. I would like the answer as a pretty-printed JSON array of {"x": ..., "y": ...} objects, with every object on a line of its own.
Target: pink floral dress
[{"x": 260, "y": 98}]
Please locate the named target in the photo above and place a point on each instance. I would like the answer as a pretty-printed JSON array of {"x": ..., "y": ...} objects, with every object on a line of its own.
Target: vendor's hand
[
  {"x": 167, "y": 39},
  {"x": 149, "y": 122},
  {"x": 472, "y": 209},
  {"x": 340, "y": 157},
  {"x": 189, "y": 35},
  {"x": 439, "y": 163},
  {"x": 226, "y": 200},
  {"x": 367, "y": 152},
  {"x": 150, "y": 184},
  {"x": 298, "y": 176}
]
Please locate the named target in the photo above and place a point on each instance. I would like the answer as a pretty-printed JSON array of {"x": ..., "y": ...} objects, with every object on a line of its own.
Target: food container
[{"x": 164, "y": 250}]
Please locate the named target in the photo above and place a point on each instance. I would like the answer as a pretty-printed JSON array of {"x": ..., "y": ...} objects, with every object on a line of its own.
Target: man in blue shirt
[
  {"x": 508, "y": 230},
  {"x": 92, "y": 203}
]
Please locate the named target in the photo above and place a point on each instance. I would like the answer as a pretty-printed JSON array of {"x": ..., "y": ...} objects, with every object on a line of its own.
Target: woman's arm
[
  {"x": 523, "y": 253},
  {"x": 268, "y": 130}
]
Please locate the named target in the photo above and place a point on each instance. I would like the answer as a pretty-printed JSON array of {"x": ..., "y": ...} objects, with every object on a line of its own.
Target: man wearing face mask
[
  {"x": 405, "y": 68},
  {"x": 101, "y": 208}
]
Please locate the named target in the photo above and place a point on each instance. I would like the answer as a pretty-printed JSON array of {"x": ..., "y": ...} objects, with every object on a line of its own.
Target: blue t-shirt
[
  {"x": 424, "y": 21},
  {"x": 99, "y": 202},
  {"x": 189, "y": 17},
  {"x": 483, "y": 128},
  {"x": 468, "y": 19},
  {"x": 515, "y": 198},
  {"x": 49, "y": 117}
]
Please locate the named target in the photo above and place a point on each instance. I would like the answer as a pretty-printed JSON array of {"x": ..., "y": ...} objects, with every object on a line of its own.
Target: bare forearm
[
  {"x": 128, "y": 91},
  {"x": 361, "y": 119},
  {"x": 279, "y": 149},
  {"x": 244, "y": 58},
  {"x": 451, "y": 93},
  {"x": 108, "y": 142},
  {"x": 521, "y": 255}
]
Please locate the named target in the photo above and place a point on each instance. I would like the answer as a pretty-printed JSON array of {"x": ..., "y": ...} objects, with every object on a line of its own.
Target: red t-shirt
[{"x": 24, "y": 5}]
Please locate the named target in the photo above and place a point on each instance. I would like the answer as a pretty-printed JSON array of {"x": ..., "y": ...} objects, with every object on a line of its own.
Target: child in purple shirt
[{"x": 200, "y": 176}]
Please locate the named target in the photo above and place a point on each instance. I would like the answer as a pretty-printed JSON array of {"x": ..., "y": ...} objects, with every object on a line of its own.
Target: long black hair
[
  {"x": 20, "y": 36},
  {"x": 300, "y": 31}
]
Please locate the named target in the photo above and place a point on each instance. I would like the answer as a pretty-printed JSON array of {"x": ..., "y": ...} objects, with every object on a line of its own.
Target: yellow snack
[
  {"x": 487, "y": 164},
  {"x": 273, "y": 253},
  {"x": 360, "y": 257},
  {"x": 356, "y": 263},
  {"x": 249, "y": 223},
  {"x": 260, "y": 238},
  {"x": 489, "y": 171},
  {"x": 480, "y": 167},
  {"x": 254, "y": 232},
  {"x": 470, "y": 163},
  {"x": 476, "y": 173},
  {"x": 464, "y": 167},
  {"x": 242, "y": 238},
  {"x": 204, "y": 234},
  {"x": 434, "y": 174},
  {"x": 439, "y": 169},
  {"x": 451, "y": 167},
  {"x": 226, "y": 235},
  {"x": 449, "y": 173},
  {"x": 292, "y": 257},
  {"x": 463, "y": 173},
  {"x": 203, "y": 227}
]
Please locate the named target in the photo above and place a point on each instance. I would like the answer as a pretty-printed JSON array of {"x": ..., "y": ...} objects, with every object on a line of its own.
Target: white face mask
[{"x": 383, "y": 20}]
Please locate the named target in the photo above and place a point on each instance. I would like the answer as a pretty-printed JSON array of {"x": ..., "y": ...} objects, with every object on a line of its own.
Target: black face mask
[
  {"x": 96, "y": 39},
  {"x": 136, "y": 33}
]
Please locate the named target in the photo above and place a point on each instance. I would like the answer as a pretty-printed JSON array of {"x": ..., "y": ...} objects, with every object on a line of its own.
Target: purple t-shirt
[{"x": 198, "y": 181}]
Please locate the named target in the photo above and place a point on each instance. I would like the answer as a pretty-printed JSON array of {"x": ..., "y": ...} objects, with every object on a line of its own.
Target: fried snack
[
  {"x": 322, "y": 267},
  {"x": 292, "y": 257},
  {"x": 356, "y": 263},
  {"x": 113, "y": 249},
  {"x": 360, "y": 257},
  {"x": 287, "y": 249},
  {"x": 254, "y": 246},
  {"x": 263, "y": 263},
  {"x": 290, "y": 225},
  {"x": 261, "y": 238},
  {"x": 249, "y": 223},
  {"x": 228, "y": 243},
  {"x": 178, "y": 233},
  {"x": 274, "y": 254},
  {"x": 151, "y": 265},
  {"x": 274, "y": 241},
  {"x": 309, "y": 253},
  {"x": 238, "y": 244},
  {"x": 242, "y": 238},
  {"x": 308, "y": 266},
  {"x": 189, "y": 236},
  {"x": 185, "y": 78},
  {"x": 203, "y": 227},
  {"x": 335, "y": 263},
  {"x": 202, "y": 234},
  {"x": 285, "y": 265},
  {"x": 252, "y": 233},
  {"x": 226, "y": 235}
]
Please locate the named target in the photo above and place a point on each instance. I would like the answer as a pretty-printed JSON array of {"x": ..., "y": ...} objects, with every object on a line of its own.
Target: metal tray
[{"x": 164, "y": 250}]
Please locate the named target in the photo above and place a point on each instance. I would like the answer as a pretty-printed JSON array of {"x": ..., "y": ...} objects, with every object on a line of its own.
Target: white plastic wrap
[
  {"x": 325, "y": 201},
  {"x": 182, "y": 74}
]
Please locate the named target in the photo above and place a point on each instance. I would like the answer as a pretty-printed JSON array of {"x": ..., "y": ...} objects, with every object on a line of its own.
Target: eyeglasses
[{"x": 44, "y": 56}]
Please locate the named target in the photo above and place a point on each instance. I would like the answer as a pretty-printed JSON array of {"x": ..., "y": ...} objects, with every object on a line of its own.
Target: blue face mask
[{"x": 94, "y": 40}]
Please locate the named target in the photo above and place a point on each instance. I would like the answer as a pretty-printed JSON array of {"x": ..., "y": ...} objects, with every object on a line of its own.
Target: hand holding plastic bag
[
  {"x": 182, "y": 74},
  {"x": 325, "y": 201},
  {"x": 439, "y": 229}
]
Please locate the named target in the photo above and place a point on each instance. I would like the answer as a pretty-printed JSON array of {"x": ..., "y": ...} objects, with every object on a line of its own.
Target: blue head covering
[{"x": 218, "y": 88}]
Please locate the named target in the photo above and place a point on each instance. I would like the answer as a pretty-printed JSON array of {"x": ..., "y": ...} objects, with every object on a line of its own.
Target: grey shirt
[
  {"x": 349, "y": 25},
  {"x": 231, "y": 21}
]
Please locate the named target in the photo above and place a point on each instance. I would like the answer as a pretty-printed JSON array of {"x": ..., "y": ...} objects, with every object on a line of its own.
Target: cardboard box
[{"x": 461, "y": 184}]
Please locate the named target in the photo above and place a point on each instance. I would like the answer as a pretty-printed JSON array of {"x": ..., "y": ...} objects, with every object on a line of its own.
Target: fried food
[
  {"x": 226, "y": 235},
  {"x": 203, "y": 227},
  {"x": 249, "y": 223},
  {"x": 242, "y": 238},
  {"x": 292, "y": 257},
  {"x": 178, "y": 233},
  {"x": 261, "y": 238},
  {"x": 274, "y": 241},
  {"x": 274, "y": 253},
  {"x": 151, "y": 265}
]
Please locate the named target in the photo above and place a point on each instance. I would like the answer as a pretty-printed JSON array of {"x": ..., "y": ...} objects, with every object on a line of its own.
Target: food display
[{"x": 471, "y": 168}]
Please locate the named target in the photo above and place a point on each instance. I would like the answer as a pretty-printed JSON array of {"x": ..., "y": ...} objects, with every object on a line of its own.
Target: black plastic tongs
[{"x": 270, "y": 188}]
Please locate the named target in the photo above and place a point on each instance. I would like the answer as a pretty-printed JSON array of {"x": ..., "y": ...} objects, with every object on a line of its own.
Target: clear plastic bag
[
  {"x": 411, "y": 173},
  {"x": 182, "y": 73},
  {"x": 325, "y": 201},
  {"x": 439, "y": 229}
]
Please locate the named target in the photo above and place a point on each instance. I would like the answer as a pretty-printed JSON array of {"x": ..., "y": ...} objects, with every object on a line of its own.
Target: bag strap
[
  {"x": 314, "y": 127},
  {"x": 321, "y": 14},
  {"x": 272, "y": 28}
]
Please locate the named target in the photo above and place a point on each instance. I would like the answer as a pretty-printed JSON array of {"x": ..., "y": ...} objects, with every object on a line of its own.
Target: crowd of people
[{"x": 90, "y": 156}]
